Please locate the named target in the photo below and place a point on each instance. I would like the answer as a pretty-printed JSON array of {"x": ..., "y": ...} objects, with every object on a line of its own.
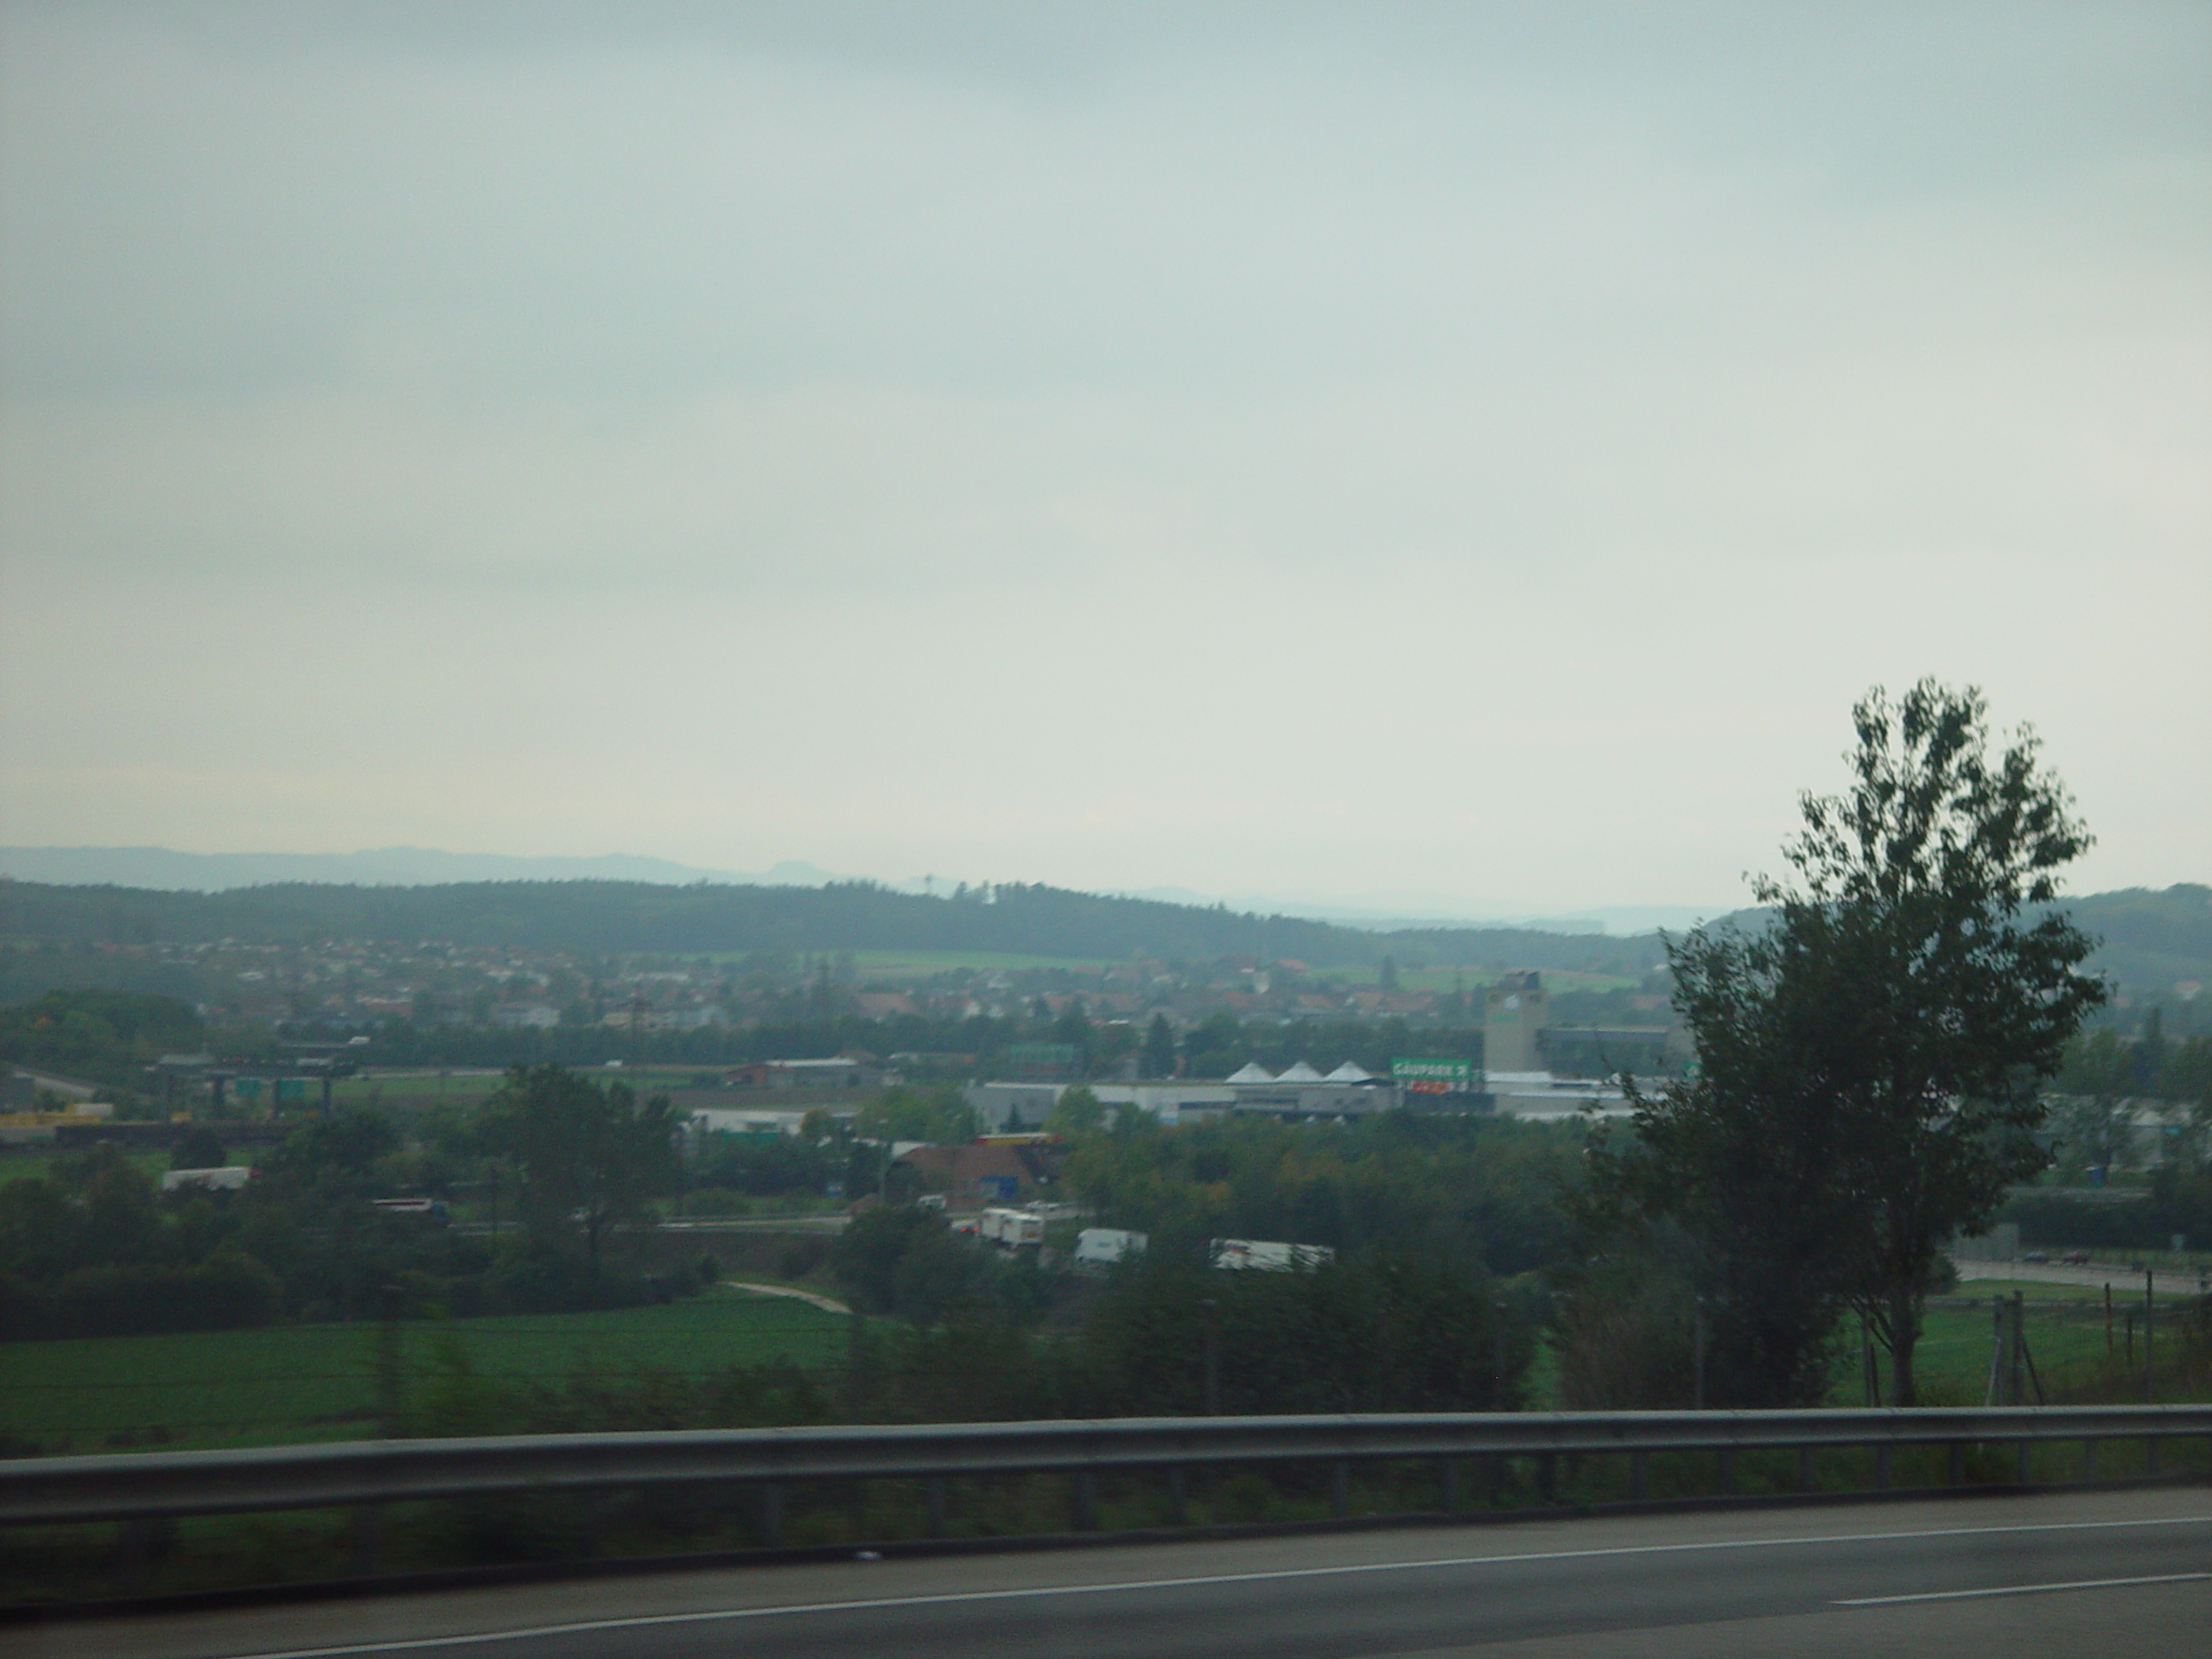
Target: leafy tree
[
  {"x": 1078, "y": 1112},
  {"x": 905, "y": 1260},
  {"x": 1073, "y": 1028},
  {"x": 339, "y": 1151},
  {"x": 590, "y": 1156},
  {"x": 763, "y": 1166},
  {"x": 1159, "y": 1059},
  {"x": 106, "y": 1035},
  {"x": 1875, "y": 1055},
  {"x": 941, "y": 1116},
  {"x": 2149, "y": 1056},
  {"x": 1386, "y": 1331}
]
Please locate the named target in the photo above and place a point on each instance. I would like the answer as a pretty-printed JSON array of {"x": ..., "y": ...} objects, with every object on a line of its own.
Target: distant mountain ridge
[{"x": 164, "y": 869}]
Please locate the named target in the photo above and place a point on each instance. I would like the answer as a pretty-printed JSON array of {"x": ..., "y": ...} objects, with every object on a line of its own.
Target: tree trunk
[{"x": 1904, "y": 1333}]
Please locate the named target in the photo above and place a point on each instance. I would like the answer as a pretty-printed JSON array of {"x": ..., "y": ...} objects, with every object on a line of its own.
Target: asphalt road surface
[{"x": 2104, "y": 1573}]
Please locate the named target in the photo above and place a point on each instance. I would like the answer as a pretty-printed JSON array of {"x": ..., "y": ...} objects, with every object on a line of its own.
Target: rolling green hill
[
  {"x": 606, "y": 917},
  {"x": 2150, "y": 939}
]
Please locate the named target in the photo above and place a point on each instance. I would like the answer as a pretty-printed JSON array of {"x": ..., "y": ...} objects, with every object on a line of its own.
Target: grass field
[
  {"x": 2066, "y": 1336},
  {"x": 287, "y": 1383},
  {"x": 28, "y": 1166}
]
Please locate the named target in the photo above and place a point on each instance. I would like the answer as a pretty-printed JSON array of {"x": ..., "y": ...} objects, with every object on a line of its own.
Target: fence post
[
  {"x": 1993, "y": 1394},
  {"x": 855, "y": 1355},
  {"x": 2014, "y": 1347},
  {"x": 2150, "y": 1347},
  {"x": 368, "y": 1519},
  {"x": 389, "y": 1362}
]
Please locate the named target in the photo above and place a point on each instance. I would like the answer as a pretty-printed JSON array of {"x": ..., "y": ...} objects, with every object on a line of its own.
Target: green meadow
[{"x": 287, "y": 1383}]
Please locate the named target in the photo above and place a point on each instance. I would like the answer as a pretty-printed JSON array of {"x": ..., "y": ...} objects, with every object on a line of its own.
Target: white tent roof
[
  {"x": 1299, "y": 1072},
  {"x": 1349, "y": 1073},
  {"x": 1253, "y": 1072}
]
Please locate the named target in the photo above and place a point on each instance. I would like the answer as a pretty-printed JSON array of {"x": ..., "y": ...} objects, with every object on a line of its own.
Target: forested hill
[
  {"x": 609, "y": 918},
  {"x": 2150, "y": 939}
]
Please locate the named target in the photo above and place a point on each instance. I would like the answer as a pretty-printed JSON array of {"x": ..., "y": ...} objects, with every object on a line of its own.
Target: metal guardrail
[{"x": 148, "y": 1485}]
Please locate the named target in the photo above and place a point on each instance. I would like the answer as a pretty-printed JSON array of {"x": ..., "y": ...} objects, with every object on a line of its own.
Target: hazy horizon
[{"x": 1255, "y": 450}]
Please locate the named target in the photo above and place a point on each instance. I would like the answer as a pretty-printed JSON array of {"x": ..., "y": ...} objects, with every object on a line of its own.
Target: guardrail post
[
  {"x": 771, "y": 1514},
  {"x": 1882, "y": 1466},
  {"x": 1086, "y": 1501},
  {"x": 1725, "y": 1469},
  {"x": 1179, "y": 1490},
  {"x": 2088, "y": 1460},
  {"x": 933, "y": 1502},
  {"x": 137, "y": 1544},
  {"x": 2020, "y": 1472},
  {"x": 1339, "y": 1489},
  {"x": 1639, "y": 1475},
  {"x": 2151, "y": 1455},
  {"x": 1448, "y": 1484},
  {"x": 1806, "y": 1479},
  {"x": 1547, "y": 1477},
  {"x": 368, "y": 1538},
  {"x": 1958, "y": 1469}
]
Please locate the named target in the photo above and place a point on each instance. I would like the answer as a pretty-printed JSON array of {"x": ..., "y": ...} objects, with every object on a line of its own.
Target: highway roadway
[{"x": 2090, "y": 1574}]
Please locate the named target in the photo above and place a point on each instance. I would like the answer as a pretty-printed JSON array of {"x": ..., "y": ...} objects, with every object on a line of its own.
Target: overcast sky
[{"x": 1472, "y": 450}]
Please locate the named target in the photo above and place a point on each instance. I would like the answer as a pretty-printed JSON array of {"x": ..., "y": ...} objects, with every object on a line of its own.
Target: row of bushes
[
  {"x": 2176, "y": 1203},
  {"x": 226, "y": 1292}
]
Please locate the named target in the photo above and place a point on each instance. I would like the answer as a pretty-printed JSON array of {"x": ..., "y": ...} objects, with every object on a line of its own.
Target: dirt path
[{"x": 827, "y": 1304}]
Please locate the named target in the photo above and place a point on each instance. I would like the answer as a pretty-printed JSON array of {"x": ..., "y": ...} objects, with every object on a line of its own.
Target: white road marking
[
  {"x": 2022, "y": 1589},
  {"x": 415, "y": 1644}
]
